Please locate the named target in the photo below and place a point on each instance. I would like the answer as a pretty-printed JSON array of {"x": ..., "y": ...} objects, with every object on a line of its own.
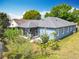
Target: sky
[{"x": 16, "y": 8}]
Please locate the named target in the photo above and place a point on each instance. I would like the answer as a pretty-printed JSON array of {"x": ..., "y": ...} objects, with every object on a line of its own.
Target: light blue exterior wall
[
  {"x": 47, "y": 31},
  {"x": 61, "y": 32}
]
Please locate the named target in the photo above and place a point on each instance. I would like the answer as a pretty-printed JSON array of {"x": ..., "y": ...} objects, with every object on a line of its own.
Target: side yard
[
  {"x": 69, "y": 49},
  {"x": 23, "y": 49}
]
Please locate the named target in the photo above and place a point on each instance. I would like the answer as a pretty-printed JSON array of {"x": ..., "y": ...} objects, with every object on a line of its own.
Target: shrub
[
  {"x": 44, "y": 38},
  {"x": 19, "y": 50},
  {"x": 53, "y": 44},
  {"x": 12, "y": 34}
]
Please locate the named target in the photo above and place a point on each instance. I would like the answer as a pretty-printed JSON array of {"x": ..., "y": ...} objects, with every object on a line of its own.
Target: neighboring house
[
  {"x": 47, "y": 25},
  {"x": 13, "y": 23}
]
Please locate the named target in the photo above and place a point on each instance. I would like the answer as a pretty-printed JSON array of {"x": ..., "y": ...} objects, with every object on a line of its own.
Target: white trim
[{"x": 57, "y": 32}]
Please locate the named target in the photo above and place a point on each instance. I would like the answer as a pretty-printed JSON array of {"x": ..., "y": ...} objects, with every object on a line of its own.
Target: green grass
[{"x": 69, "y": 48}]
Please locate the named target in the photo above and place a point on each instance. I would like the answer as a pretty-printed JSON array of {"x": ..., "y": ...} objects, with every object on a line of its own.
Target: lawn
[{"x": 69, "y": 48}]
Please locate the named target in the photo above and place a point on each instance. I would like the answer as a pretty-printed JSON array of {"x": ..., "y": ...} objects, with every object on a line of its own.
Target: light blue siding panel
[
  {"x": 47, "y": 31},
  {"x": 61, "y": 32},
  {"x": 66, "y": 30}
]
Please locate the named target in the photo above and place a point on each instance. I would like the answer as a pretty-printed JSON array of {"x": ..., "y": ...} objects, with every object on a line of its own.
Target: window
[
  {"x": 62, "y": 30},
  {"x": 74, "y": 29},
  {"x": 67, "y": 29},
  {"x": 70, "y": 28}
]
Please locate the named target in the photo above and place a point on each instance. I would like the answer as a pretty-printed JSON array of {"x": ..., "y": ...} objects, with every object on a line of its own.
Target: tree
[
  {"x": 49, "y": 15},
  {"x": 32, "y": 14},
  {"x": 4, "y": 22},
  {"x": 75, "y": 14},
  {"x": 63, "y": 11},
  {"x": 60, "y": 11}
]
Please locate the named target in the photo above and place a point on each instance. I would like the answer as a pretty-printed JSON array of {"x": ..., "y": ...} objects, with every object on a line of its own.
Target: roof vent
[{"x": 56, "y": 20}]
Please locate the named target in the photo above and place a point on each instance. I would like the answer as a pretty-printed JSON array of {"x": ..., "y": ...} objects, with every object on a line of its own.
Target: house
[{"x": 48, "y": 25}]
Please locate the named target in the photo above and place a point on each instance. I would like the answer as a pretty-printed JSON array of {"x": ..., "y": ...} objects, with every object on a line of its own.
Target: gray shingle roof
[
  {"x": 49, "y": 22},
  {"x": 27, "y": 23}
]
